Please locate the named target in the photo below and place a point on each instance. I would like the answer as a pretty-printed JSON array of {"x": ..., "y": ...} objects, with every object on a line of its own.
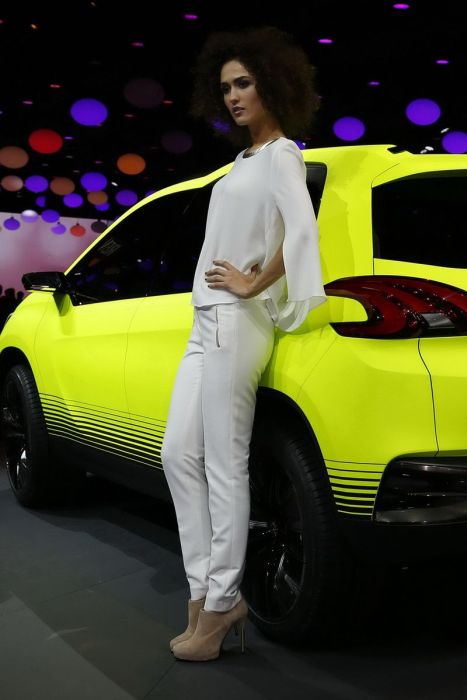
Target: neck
[{"x": 264, "y": 133}]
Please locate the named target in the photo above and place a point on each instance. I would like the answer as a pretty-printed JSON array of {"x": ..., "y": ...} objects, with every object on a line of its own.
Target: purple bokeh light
[
  {"x": 89, "y": 112},
  {"x": 73, "y": 200},
  {"x": 36, "y": 183},
  {"x": 442, "y": 61},
  {"x": 94, "y": 182},
  {"x": 11, "y": 223},
  {"x": 423, "y": 111},
  {"x": 126, "y": 198},
  {"x": 348, "y": 128},
  {"x": 50, "y": 215},
  {"x": 41, "y": 201},
  {"x": 455, "y": 142},
  {"x": 325, "y": 40},
  {"x": 103, "y": 207},
  {"x": 58, "y": 229}
]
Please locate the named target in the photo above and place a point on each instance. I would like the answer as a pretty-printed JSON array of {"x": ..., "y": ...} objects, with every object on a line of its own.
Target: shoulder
[
  {"x": 284, "y": 144},
  {"x": 286, "y": 154},
  {"x": 238, "y": 160},
  {"x": 288, "y": 148}
]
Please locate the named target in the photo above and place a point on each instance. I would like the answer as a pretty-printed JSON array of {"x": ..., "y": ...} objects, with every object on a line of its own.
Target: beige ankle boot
[
  {"x": 211, "y": 630},
  {"x": 194, "y": 606}
]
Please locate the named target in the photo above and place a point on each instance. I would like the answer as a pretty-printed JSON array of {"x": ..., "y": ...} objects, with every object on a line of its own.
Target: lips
[{"x": 237, "y": 111}]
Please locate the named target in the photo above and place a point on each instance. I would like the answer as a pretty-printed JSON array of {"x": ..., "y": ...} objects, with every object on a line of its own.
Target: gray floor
[{"x": 91, "y": 594}]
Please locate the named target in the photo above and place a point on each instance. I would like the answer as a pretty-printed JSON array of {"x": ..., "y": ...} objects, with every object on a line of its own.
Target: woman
[{"x": 260, "y": 225}]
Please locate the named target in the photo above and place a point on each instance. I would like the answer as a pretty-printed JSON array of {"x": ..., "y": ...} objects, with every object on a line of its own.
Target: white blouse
[{"x": 263, "y": 201}]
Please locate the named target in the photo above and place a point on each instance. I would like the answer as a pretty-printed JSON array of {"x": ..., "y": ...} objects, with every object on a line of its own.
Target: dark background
[{"x": 86, "y": 48}]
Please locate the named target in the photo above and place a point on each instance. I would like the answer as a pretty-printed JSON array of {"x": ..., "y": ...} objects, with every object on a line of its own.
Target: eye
[
  {"x": 224, "y": 89},
  {"x": 244, "y": 83}
]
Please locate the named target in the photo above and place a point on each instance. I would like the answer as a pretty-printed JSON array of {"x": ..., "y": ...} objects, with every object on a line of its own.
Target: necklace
[{"x": 259, "y": 148}]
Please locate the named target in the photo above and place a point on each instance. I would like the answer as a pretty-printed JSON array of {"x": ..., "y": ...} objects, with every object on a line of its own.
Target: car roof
[{"x": 371, "y": 164}]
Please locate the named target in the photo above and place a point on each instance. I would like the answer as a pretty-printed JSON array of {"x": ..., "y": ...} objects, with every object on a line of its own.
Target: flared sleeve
[{"x": 300, "y": 245}]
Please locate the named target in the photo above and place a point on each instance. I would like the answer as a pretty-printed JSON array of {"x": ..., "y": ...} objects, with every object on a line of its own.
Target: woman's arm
[
  {"x": 246, "y": 286},
  {"x": 271, "y": 273}
]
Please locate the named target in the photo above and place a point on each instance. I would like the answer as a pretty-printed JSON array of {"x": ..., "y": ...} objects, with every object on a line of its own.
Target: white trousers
[{"x": 206, "y": 444}]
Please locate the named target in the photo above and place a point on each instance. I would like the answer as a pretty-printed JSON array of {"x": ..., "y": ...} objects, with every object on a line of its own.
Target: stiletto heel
[
  {"x": 242, "y": 638},
  {"x": 242, "y": 633}
]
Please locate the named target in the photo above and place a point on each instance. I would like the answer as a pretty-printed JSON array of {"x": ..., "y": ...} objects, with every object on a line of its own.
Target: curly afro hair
[{"x": 284, "y": 78}]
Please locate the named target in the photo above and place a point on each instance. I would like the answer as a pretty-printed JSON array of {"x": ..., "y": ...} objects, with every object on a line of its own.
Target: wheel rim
[
  {"x": 275, "y": 560},
  {"x": 14, "y": 436}
]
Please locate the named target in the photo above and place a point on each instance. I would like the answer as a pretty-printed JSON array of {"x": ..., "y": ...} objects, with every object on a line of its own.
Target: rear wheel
[
  {"x": 297, "y": 566},
  {"x": 34, "y": 478}
]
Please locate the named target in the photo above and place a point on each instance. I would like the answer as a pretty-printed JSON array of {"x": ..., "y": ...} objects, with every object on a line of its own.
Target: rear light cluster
[{"x": 402, "y": 307}]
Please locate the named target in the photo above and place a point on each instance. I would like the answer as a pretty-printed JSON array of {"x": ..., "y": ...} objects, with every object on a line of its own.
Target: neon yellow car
[{"x": 360, "y": 434}]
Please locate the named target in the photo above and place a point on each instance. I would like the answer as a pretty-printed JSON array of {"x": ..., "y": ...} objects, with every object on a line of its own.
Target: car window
[
  {"x": 421, "y": 219},
  {"x": 153, "y": 251}
]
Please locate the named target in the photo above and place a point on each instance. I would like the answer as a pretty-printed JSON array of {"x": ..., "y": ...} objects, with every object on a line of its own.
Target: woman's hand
[{"x": 226, "y": 276}]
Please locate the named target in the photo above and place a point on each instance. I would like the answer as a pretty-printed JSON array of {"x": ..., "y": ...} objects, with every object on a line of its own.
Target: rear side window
[{"x": 422, "y": 219}]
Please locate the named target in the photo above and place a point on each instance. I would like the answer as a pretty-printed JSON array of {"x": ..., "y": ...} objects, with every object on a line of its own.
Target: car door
[
  {"x": 162, "y": 324},
  {"x": 82, "y": 341}
]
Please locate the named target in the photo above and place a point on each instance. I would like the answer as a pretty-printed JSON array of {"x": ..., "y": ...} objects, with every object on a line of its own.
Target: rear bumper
[
  {"x": 420, "y": 512},
  {"x": 400, "y": 544},
  {"x": 423, "y": 491}
]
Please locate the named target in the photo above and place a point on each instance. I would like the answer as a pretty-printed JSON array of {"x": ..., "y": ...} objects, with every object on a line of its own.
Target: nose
[{"x": 233, "y": 96}]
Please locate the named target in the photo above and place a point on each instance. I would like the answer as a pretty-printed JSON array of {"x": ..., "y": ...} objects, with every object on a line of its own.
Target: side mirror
[{"x": 46, "y": 282}]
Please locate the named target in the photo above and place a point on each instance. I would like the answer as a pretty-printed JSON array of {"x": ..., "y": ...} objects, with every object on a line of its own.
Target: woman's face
[{"x": 240, "y": 96}]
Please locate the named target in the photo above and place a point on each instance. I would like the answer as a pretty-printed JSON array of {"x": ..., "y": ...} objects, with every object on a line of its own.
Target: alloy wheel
[
  {"x": 14, "y": 437},
  {"x": 275, "y": 556}
]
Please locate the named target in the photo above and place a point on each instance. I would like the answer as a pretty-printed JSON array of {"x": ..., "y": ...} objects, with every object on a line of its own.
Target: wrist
[{"x": 251, "y": 290}]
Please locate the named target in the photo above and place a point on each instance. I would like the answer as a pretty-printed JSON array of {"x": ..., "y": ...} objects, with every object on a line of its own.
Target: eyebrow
[{"x": 235, "y": 80}]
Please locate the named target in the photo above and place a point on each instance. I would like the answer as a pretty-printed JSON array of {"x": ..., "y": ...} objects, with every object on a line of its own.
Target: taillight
[{"x": 402, "y": 307}]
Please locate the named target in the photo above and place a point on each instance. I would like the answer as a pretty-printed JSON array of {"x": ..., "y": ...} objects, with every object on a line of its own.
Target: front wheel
[
  {"x": 34, "y": 477},
  {"x": 296, "y": 566}
]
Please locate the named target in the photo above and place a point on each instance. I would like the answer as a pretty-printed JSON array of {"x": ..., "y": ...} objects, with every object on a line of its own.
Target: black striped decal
[{"x": 131, "y": 437}]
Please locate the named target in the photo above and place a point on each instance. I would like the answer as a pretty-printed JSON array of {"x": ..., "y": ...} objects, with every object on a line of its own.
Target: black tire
[
  {"x": 297, "y": 566},
  {"x": 34, "y": 478}
]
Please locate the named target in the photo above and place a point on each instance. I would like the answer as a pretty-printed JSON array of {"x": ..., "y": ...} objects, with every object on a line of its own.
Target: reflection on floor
[{"x": 91, "y": 594}]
